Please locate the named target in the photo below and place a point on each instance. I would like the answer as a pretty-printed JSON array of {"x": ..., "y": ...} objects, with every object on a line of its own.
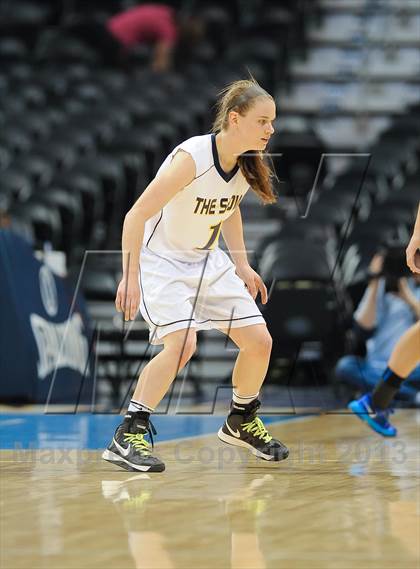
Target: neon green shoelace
[
  {"x": 138, "y": 501},
  {"x": 256, "y": 428},
  {"x": 138, "y": 442}
]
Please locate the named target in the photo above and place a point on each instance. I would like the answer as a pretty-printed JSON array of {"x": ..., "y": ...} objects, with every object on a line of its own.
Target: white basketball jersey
[{"x": 189, "y": 225}]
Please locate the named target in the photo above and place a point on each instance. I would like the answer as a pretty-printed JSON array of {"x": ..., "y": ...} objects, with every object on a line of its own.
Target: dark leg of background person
[
  {"x": 374, "y": 408},
  {"x": 404, "y": 359},
  {"x": 356, "y": 373}
]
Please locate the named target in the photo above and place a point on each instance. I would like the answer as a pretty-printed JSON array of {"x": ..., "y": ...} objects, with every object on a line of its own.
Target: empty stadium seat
[
  {"x": 12, "y": 49},
  {"x": 33, "y": 96},
  {"x": 78, "y": 137},
  {"x": 92, "y": 93},
  {"x": 89, "y": 188},
  {"x": 45, "y": 221},
  {"x": 70, "y": 207},
  {"x": 139, "y": 141},
  {"x": 108, "y": 171},
  {"x": 300, "y": 151},
  {"x": 102, "y": 130},
  {"x": 5, "y": 156},
  {"x": 218, "y": 26},
  {"x": 357, "y": 204},
  {"x": 99, "y": 284},
  {"x": 264, "y": 51},
  {"x": 306, "y": 304},
  {"x": 30, "y": 121},
  {"x": 135, "y": 170},
  {"x": 10, "y": 105},
  {"x": 16, "y": 183},
  {"x": 36, "y": 166},
  {"x": 54, "y": 46},
  {"x": 298, "y": 229},
  {"x": 62, "y": 154}
]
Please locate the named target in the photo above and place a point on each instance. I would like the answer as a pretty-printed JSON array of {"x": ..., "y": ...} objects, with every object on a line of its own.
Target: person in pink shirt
[
  {"x": 148, "y": 23},
  {"x": 157, "y": 25}
]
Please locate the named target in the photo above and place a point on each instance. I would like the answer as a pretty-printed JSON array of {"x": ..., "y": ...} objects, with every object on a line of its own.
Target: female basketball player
[
  {"x": 375, "y": 407},
  {"x": 185, "y": 282}
]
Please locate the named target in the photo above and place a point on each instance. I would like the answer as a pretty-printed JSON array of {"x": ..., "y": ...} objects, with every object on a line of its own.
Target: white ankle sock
[
  {"x": 243, "y": 399},
  {"x": 139, "y": 406}
]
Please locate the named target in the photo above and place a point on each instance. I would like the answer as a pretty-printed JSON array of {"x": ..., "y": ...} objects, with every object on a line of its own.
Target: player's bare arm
[
  {"x": 232, "y": 231},
  {"x": 159, "y": 192}
]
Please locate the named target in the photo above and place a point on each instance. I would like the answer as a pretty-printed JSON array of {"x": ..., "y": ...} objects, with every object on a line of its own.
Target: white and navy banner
[{"x": 44, "y": 348}]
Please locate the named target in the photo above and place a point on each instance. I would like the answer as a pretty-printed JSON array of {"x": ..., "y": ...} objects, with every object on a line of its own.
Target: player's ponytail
[{"x": 239, "y": 96}]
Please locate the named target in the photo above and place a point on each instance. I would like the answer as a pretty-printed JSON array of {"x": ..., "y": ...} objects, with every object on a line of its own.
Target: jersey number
[{"x": 213, "y": 238}]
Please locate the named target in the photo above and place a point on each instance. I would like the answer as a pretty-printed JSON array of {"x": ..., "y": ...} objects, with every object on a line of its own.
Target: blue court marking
[{"x": 87, "y": 431}]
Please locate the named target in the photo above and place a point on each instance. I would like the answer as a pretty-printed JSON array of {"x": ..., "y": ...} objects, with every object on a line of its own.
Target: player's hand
[
  {"x": 410, "y": 253},
  {"x": 376, "y": 264},
  {"x": 253, "y": 282},
  {"x": 127, "y": 299}
]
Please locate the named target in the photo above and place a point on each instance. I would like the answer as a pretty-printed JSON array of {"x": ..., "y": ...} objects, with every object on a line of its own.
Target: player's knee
[
  {"x": 260, "y": 344},
  {"x": 181, "y": 346},
  {"x": 188, "y": 351}
]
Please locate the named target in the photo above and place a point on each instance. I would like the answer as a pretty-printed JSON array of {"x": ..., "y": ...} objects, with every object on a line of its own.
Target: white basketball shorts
[{"x": 201, "y": 295}]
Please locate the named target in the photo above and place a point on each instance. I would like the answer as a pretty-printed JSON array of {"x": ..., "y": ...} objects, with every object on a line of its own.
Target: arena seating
[{"x": 80, "y": 139}]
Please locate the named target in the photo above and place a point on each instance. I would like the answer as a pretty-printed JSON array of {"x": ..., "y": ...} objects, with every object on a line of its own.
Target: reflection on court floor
[{"x": 344, "y": 498}]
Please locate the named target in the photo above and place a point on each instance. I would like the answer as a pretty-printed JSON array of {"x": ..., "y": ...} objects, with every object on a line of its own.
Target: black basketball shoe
[
  {"x": 244, "y": 429},
  {"x": 129, "y": 449}
]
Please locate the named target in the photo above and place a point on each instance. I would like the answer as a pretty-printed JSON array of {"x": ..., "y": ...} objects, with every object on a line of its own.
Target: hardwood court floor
[{"x": 345, "y": 498}]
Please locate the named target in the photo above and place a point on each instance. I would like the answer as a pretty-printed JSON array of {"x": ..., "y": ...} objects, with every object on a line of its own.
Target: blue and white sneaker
[{"x": 377, "y": 420}]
